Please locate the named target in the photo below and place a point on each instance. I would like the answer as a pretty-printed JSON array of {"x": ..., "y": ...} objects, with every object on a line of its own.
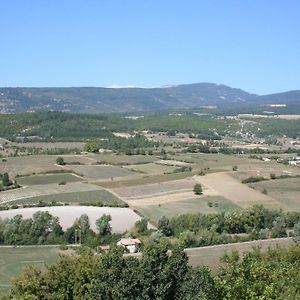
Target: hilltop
[{"x": 121, "y": 100}]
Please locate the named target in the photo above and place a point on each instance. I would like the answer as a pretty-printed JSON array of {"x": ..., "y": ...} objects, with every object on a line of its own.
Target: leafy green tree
[
  {"x": 103, "y": 225},
  {"x": 141, "y": 225},
  {"x": 60, "y": 161},
  {"x": 5, "y": 180},
  {"x": 164, "y": 226},
  {"x": 197, "y": 189},
  {"x": 84, "y": 223},
  {"x": 297, "y": 232}
]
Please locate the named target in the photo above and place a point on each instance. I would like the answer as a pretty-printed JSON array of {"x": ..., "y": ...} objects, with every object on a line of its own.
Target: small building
[
  {"x": 131, "y": 245},
  {"x": 104, "y": 248}
]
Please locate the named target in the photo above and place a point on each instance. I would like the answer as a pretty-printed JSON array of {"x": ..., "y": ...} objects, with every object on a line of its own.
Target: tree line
[
  {"x": 44, "y": 228},
  {"x": 257, "y": 222}
]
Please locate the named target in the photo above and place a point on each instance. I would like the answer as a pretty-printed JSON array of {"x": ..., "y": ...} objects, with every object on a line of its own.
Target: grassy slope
[{"x": 13, "y": 260}]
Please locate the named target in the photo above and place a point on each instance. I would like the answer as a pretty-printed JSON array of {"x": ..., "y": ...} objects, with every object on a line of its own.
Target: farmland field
[
  {"x": 122, "y": 218},
  {"x": 98, "y": 196},
  {"x": 47, "y": 179},
  {"x": 100, "y": 172},
  {"x": 146, "y": 179},
  {"x": 29, "y": 164},
  {"x": 148, "y": 190},
  {"x": 122, "y": 159},
  {"x": 194, "y": 205},
  {"x": 54, "y": 145},
  {"x": 286, "y": 191},
  {"x": 14, "y": 259},
  {"x": 45, "y": 189},
  {"x": 210, "y": 256},
  {"x": 230, "y": 188}
]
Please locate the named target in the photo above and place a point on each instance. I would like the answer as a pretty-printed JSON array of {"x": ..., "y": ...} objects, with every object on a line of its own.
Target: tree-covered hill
[{"x": 98, "y": 99}]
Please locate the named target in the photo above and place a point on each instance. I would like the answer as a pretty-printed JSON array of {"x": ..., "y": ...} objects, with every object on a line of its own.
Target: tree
[
  {"x": 84, "y": 223},
  {"x": 164, "y": 226},
  {"x": 141, "y": 225},
  {"x": 103, "y": 225},
  {"x": 198, "y": 189},
  {"x": 60, "y": 161},
  {"x": 5, "y": 180},
  {"x": 297, "y": 232}
]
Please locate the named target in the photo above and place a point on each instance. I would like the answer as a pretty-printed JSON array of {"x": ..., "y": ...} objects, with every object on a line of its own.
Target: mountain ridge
[{"x": 136, "y": 99}]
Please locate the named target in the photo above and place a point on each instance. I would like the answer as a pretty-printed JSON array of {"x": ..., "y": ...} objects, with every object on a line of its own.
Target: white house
[{"x": 132, "y": 245}]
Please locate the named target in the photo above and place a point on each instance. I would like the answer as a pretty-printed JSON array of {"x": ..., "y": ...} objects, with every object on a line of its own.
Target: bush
[
  {"x": 60, "y": 161},
  {"x": 253, "y": 179},
  {"x": 197, "y": 189}
]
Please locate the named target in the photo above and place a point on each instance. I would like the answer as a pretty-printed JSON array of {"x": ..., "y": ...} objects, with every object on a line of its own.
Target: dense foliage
[
  {"x": 129, "y": 146},
  {"x": 197, "y": 230},
  {"x": 43, "y": 228},
  {"x": 159, "y": 275}
]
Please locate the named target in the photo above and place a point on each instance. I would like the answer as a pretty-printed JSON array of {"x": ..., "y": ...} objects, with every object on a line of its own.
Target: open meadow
[
  {"x": 14, "y": 259},
  {"x": 199, "y": 204},
  {"x": 286, "y": 191}
]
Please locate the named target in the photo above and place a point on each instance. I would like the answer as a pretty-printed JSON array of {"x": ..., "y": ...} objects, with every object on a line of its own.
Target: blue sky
[{"x": 249, "y": 44}]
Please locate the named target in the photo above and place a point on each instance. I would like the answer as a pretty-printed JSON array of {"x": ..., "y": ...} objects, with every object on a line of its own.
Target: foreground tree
[
  {"x": 60, "y": 161},
  {"x": 197, "y": 189}
]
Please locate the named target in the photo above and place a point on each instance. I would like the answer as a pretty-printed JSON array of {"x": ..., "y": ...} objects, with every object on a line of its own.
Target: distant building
[
  {"x": 131, "y": 245},
  {"x": 104, "y": 248}
]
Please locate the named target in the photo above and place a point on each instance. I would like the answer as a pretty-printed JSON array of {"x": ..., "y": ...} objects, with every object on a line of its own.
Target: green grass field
[
  {"x": 47, "y": 179},
  {"x": 286, "y": 191},
  {"x": 198, "y": 205},
  {"x": 210, "y": 256},
  {"x": 13, "y": 260},
  {"x": 103, "y": 196}
]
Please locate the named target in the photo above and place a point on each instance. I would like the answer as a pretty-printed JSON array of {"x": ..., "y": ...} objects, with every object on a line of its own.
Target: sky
[{"x": 249, "y": 44}]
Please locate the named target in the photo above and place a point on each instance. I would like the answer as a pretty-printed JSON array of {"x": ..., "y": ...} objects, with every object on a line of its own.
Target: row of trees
[
  {"x": 194, "y": 230},
  {"x": 129, "y": 146},
  {"x": 43, "y": 228},
  {"x": 160, "y": 275}
]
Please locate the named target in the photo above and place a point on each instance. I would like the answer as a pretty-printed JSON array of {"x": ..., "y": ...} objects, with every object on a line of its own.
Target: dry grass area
[
  {"x": 100, "y": 172},
  {"x": 210, "y": 256},
  {"x": 200, "y": 204},
  {"x": 122, "y": 218},
  {"x": 286, "y": 191},
  {"x": 161, "y": 199},
  {"x": 225, "y": 185},
  {"x": 155, "y": 189},
  {"x": 24, "y": 165}
]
